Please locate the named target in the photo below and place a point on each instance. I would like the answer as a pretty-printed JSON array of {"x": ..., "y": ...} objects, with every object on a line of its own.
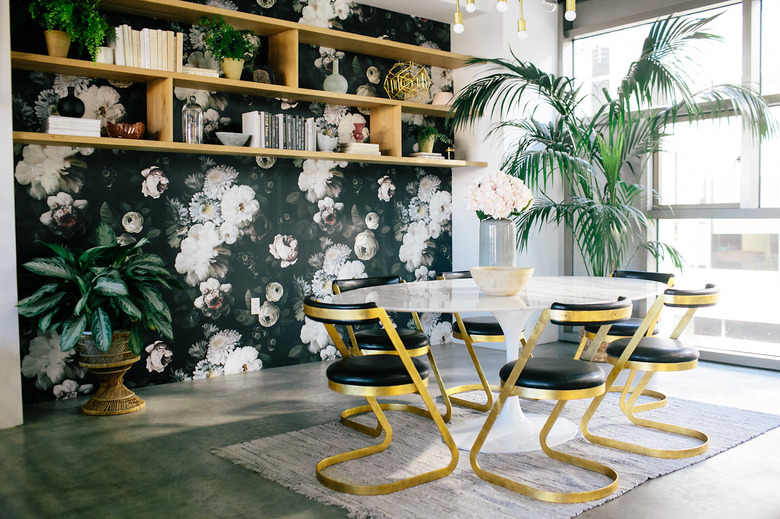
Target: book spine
[
  {"x": 261, "y": 129},
  {"x": 179, "y": 51},
  {"x": 201, "y": 72},
  {"x": 280, "y": 132},
  {"x": 119, "y": 46},
  {"x": 137, "y": 48},
  {"x": 163, "y": 57},
  {"x": 145, "y": 56},
  {"x": 154, "y": 51},
  {"x": 171, "y": 37},
  {"x": 250, "y": 123},
  {"x": 267, "y": 130}
]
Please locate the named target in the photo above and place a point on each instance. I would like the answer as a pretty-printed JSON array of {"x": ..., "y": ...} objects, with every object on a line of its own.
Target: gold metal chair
[
  {"x": 628, "y": 329},
  {"x": 474, "y": 330},
  {"x": 375, "y": 341},
  {"x": 560, "y": 379},
  {"x": 373, "y": 376},
  {"x": 649, "y": 355}
]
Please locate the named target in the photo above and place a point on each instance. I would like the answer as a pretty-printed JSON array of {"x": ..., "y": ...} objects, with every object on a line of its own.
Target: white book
[
  {"x": 65, "y": 122},
  {"x": 250, "y": 123},
  {"x": 136, "y": 48},
  {"x": 179, "y": 61},
  {"x": 171, "y": 41},
  {"x": 190, "y": 69},
  {"x": 163, "y": 57},
  {"x": 146, "y": 57},
  {"x": 118, "y": 46},
  {"x": 280, "y": 122},
  {"x": 309, "y": 138},
  {"x": 128, "y": 41},
  {"x": 153, "y": 49}
]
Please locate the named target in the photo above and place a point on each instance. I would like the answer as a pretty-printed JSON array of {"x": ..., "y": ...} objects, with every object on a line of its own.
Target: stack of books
[
  {"x": 360, "y": 148},
  {"x": 58, "y": 125},
  {"x": 148, "y": 48},
  {"x": 198, "y": 71},
  {"x": 279, "y": 131},
  {"x": 421, "y": 155}
]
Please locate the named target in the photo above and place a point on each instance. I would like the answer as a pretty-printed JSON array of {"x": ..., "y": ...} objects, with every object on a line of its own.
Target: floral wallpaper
[{"x": 231, "y": 228}]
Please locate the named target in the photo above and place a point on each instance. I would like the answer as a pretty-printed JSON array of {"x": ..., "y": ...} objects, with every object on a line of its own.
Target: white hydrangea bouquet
[{"x": 498, "y": 195}]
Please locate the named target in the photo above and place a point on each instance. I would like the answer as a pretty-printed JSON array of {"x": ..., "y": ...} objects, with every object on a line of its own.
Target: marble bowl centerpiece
[
  {"x": 501, "y": 281},
  {"x": 233, "y": 138}
]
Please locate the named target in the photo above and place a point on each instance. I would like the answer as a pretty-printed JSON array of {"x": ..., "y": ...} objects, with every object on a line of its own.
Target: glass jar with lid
[{"x": 192, "y": 122}]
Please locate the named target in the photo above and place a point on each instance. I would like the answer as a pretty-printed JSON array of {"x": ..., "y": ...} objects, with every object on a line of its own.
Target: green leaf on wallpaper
[
  {"x": 153, "y": 233},
  {"x": 106, "y": 216},
  {"x": 396, "y": 268},
  {"x": 295, "y": 351},
  {"x": 357, "y": 70},
  {"x": 248, "y": 299},
  {"x": 384, "y": 229},
  {"x": 245, "y": 317},
  {"x": 357, "y": 220},
  {"x": 265, "y": 359},
  {"x": 293, "y": 197}
]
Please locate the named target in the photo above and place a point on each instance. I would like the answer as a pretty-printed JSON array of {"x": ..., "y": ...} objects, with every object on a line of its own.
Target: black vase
[{"x": 70, "y": 105}]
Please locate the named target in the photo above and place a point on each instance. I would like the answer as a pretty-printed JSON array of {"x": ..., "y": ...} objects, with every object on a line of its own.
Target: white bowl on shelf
[
  {"x": 501, "y": 281},
  {"x": 233, "y": 138}
]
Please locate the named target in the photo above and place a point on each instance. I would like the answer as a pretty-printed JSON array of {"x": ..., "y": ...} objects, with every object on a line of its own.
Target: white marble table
[{"x": 513, "y": 431}]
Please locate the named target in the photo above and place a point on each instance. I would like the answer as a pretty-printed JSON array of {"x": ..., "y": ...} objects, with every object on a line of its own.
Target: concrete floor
[{"x": 157, "y": 462}]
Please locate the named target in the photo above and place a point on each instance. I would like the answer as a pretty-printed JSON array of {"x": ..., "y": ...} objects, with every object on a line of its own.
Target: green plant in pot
[
  {"x": 599, "y": 159},
  {"x": 229, "y": 45},
  {"x": 104, "y": 299},
  {"x": 427, "y": 136},
  {"x": 70, "y": 20}
]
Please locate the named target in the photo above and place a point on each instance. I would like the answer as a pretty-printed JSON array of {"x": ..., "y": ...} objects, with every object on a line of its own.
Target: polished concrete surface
[{"x": 157, "y": 463}]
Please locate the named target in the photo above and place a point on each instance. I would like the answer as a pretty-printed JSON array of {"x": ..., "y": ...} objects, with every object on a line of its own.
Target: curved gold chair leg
[
  {"x": 581, "y": 347},
  {"x": 625, "y": 390},
  {"x": 443, "y": 390},
  {"x": 536, "y": 493},
  {"x": 377, "y": 429},
  {"x": 484, "y": 386},
  {"x": 651, "y": 424}
]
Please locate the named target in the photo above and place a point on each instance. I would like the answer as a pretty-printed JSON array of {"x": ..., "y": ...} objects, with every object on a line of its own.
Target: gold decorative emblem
[{"x": 407, "y": 81}]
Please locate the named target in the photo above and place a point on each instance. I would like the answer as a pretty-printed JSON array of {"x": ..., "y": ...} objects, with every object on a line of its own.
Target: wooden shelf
[
  {"x": 190, "y": 13},
  {"x": 45, "y": 139},
  {"x": 76, "y": 67}
]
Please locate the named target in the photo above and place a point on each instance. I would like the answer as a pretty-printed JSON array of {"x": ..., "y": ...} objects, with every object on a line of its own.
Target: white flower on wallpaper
[
  {"x": 204, "y": 98},
  {"x": 414, "y": 245},
  {"x": 160, "y": 355},
  {"x": 241, "y": 360},
  {"x": 335, "y": 257},
  {"x": 239, "y": 206},
  {"x": 218, "y": 180},
  {"x": 322, "y": 13},
  {"x": 62, "y": 82},
  {"x": 427, "y": 187},
  {"x": 315, "y": 336},
  {"x": 327, "y": 55},
  {"x": 133, "y": 222},
  {"x": 155, "y": 182},
  {"x": 213, "y": 121},
  {"x": 215, "y": 298},
  {"x": 284, "y": 248},
  {"x": 65, "y": 216},
  {"x": 329, "y": 353},
  {"x": 372, "y": 220},
  {"x": 352, "y": 270},
  {"x": 328, "y": 215},
  {"x": 317, "y": 180},
  {"x": 205, "y": 209},
  {"x": 221, "y": 344},
  {"x": 202, "y": 255},
  {"x": 366, "y": 245},
  {"x": 46, "y": 104},
  {"x": 441, "y": 80},
  {"x": 269, "y": 314},
  {"x": 46, "y": 169},
  {"x": 229, "y": 233},
  {"x": 48, "y": 364},
  {"x": 70, "y": 389},
  {"x": 224, "y": 4},
  {"x": 386, "y": 188},
  {"x": 440, "y": 207},
  {"x": 102, "y": 102},
  {"x": 205, "y": 369},
  {"x": 274, "y": 291}
]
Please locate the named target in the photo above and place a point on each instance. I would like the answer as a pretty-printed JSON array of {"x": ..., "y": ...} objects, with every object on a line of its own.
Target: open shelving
[{"x": 283, "y": 37}]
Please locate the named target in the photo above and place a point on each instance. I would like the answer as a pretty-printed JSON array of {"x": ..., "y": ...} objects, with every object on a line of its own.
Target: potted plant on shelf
[
  {"x": 600, "y": 158},
  {"x": 104, "y": 299},
  {"x": 427, "y": 136},
  {"x": 229, "y": 45},
  {"x": 70, "y": 20}
]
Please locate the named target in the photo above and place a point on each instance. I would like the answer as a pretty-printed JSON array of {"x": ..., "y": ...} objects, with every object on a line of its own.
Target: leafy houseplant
[
  {"x": 102, "y": 289},
  {"x": 230, "y": 45},
  {"x": 591, "y": 154},
  {"x": 427, "y": 135},
  {"x": 80, "y": 19}
]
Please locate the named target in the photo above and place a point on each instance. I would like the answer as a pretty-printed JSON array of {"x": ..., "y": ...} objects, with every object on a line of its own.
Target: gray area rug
[{"x": 289, "y": 460}]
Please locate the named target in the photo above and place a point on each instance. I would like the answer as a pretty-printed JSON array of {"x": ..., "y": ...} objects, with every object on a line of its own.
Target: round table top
[{"x": 463, "y": 295}]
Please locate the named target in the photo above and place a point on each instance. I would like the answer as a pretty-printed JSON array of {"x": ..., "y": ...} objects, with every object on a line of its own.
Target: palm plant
[{"x": 591, "y": 154}]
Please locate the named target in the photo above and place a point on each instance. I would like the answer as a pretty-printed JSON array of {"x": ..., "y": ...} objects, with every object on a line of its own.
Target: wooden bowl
[
  {"x": 126, "y": 130},
  {"x": 501, "y": 281}
]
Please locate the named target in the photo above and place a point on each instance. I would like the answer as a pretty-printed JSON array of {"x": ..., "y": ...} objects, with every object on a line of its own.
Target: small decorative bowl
[
  {"x": 233, "y": 138},
  {"x": 126, "y": 130},
  {"x": 501, "y": 281}
]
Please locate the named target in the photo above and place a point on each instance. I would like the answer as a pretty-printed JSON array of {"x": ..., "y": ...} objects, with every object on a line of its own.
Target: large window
[{"x": 720, "y": 193}]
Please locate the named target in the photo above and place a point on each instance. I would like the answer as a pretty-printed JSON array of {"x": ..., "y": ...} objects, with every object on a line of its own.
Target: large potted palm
[
  {"x": 103, "y": 300},
  {"x": 599, "y": 159}
]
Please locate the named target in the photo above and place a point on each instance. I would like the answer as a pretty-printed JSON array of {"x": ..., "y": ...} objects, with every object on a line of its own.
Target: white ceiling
[{"x": 439, "y": 10}]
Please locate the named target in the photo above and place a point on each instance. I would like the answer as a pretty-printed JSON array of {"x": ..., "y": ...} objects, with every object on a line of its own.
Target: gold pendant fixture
[{"x": 502, "y": 6}]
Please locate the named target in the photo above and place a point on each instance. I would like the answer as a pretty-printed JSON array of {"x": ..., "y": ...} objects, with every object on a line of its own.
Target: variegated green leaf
[
  {"x": 111, "y": 286},
  {"x": 72, "y": 330},
  {"x": 54, "y": 267},
  {"x": 100, "y": 326}
]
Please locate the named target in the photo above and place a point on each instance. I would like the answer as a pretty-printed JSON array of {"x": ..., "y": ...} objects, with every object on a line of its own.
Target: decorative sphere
[
  {"x": 470, "y": 8},
  {"x": 522, "y": 35},
  {"x": 458, "y": 28},
  {"x": 570, "y": 15},
  {"x": 502, "y": 6}
]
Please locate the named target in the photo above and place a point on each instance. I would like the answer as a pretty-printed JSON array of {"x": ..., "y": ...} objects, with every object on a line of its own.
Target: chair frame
[
  {"x": 629, "y": 397},
  {"x": 509, "y": 388},
  {"x": 393, "y": 406},
  {"x": 371, "y": 313}
]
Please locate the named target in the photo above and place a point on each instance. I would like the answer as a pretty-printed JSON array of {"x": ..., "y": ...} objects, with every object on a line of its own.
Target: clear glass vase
[
  {"x": 497, "y": 243},
  {"x": 192, "y": 122}
]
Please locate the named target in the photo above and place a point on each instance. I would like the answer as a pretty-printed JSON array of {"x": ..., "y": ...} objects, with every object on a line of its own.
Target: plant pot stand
[{"x": 112, "y": 397}]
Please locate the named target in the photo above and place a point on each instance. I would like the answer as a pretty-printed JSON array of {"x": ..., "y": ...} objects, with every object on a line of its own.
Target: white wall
[{"x": 10, "y": 375}]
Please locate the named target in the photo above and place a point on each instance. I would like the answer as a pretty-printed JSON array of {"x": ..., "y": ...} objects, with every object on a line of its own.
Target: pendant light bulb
[
  {"x": 457, "y": 25},
  {"x": 471, "y": 6},
  {"x": 571, "y": 10},
  {"x": 521, "y": 32},
  {"x": 502, "y": 6},
  {"x": 549, "y": 6}
]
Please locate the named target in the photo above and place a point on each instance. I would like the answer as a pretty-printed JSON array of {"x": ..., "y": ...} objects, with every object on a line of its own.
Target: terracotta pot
[
  {"x": 232, "y": 68},
  {"x": 112, "y": 397},
  {"x": 58, "y": 43}
]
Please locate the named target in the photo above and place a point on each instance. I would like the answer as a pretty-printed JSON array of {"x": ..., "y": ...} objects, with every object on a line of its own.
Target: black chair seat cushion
[
  {"x": 376, "y": 339},
  {"x": 556, "y": 374},
  {"x": 623, "y": 328},
  {"x": 483, "y": 325},
  {"x": 656, "y": 350},
  {"x": 374, "y": 370}
]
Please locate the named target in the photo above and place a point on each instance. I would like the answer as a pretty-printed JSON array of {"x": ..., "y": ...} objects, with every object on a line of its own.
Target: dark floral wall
[{"x": 231, "y": 228}]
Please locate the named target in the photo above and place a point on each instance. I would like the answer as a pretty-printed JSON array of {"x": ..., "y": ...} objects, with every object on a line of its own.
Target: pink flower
[
  {"x": 498, "y": 195},
  {"x": 284, "y": 248},
  {"x": 160, "y": 355},
  {"x": 155, "y": 182}
]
